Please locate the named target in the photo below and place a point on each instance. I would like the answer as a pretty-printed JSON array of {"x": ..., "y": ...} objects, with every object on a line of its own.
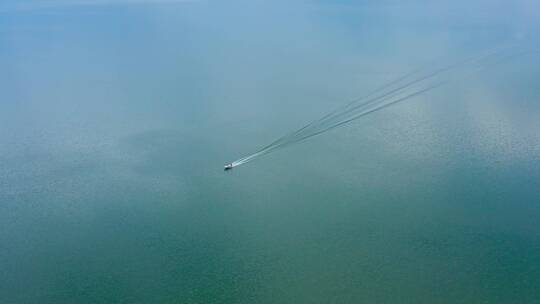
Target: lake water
[{"x": 116, "y": 118}]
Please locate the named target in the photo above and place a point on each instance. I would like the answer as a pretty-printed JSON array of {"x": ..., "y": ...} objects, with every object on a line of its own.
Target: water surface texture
[{"x": 117, "y": 116}]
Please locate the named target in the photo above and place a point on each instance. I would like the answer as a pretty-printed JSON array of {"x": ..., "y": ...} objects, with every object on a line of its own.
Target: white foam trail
[{"x": 396, "y": 91}]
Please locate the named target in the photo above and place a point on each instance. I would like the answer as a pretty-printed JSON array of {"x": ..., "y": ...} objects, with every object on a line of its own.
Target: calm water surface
[{"x": 116, "y": 118}]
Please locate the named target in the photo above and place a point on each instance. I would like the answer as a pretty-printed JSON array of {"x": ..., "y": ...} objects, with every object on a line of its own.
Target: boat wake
[{"x": 406, "y": 87}]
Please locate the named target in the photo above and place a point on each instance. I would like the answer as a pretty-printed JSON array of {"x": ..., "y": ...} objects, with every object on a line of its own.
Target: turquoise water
[{"x": 116, "y": 118}]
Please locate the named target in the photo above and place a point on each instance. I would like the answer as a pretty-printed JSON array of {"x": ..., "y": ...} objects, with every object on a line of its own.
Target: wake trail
[{"x": 398, "y": 90}]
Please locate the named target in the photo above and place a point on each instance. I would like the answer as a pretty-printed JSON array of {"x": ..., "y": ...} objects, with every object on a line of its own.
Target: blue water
[{"x": 116, "y": 118}]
